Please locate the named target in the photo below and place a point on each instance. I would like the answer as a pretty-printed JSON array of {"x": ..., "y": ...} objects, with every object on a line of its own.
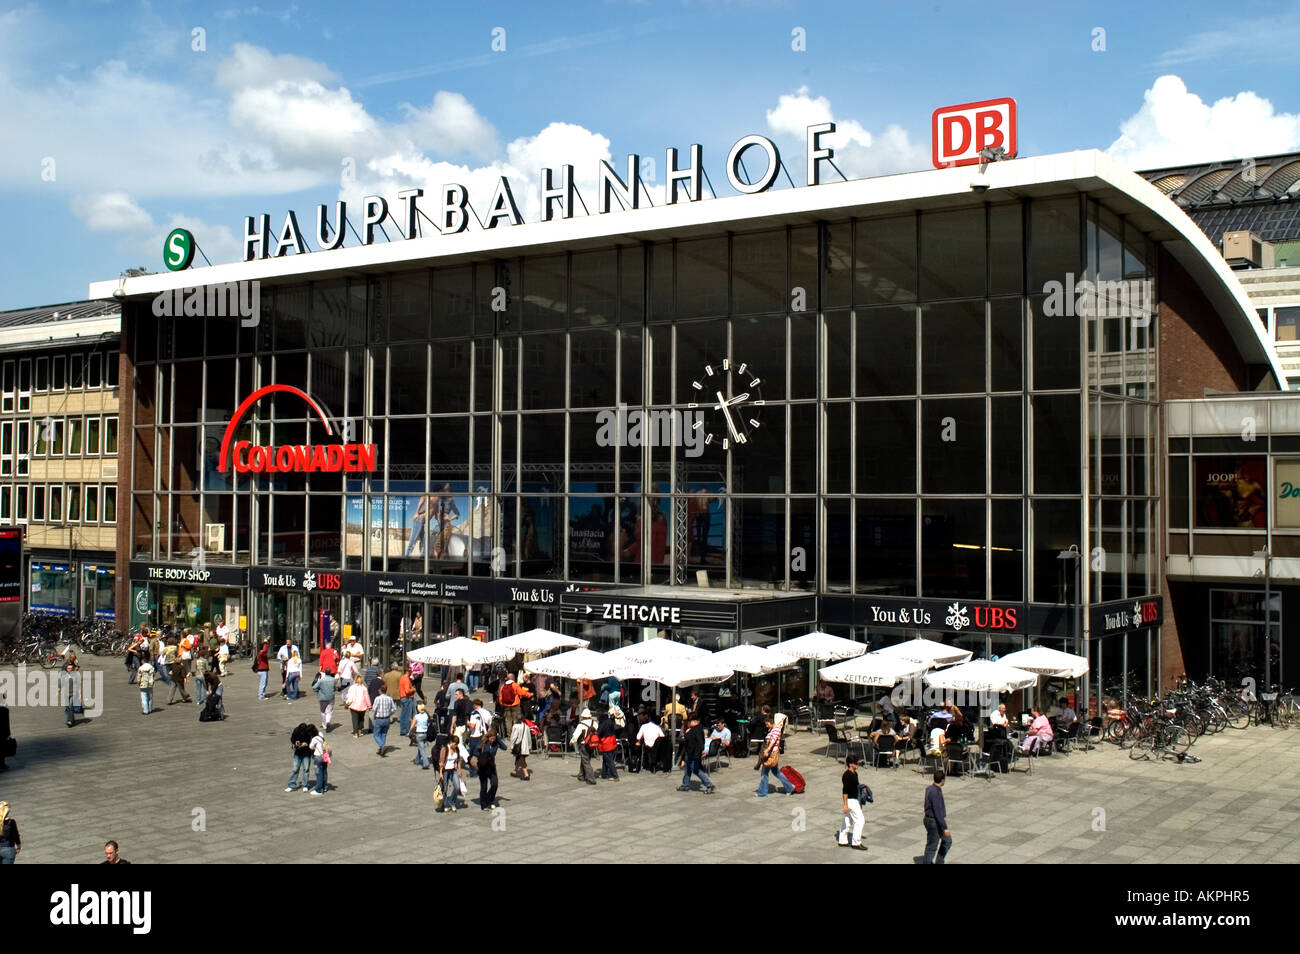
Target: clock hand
[
  {"x": 739, "y": 398},
  {"x": 731, "y": 426}
]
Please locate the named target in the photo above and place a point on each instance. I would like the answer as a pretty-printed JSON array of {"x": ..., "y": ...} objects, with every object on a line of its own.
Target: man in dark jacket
[
  {"x": 300, "y": 739},
  {"x": 937, "y": 834},
  {"x": 374, "y": 686},
  {"x": 4, "y": 734},
  {"x": 693, "y": 757}
]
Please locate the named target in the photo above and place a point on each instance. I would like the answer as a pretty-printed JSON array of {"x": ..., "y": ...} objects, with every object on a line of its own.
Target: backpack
[
  {"x": 147, "y": 679},
  {"x": 509, "y": 694},
  {"x": 864, "y": 795}
]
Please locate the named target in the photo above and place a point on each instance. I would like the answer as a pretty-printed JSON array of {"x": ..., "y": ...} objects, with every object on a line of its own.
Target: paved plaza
[{"x": 150, "y": 782}]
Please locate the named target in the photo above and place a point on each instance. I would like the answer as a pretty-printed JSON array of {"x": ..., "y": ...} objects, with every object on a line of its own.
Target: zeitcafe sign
[{"x": 960, "y": 132}]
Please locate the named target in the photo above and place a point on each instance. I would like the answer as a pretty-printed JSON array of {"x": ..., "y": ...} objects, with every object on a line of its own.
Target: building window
[
  {"x": 110, "y": 369},
  {"x": 6, "y": 504},
  {"x": 93, "y": 426},
  {"x": 56, "y": 438},
  {"x": 7, "y": 387},
  {"x": 21, "y": 493},
  {"x": 56, "y": 503},
  {"x": 59, "y": 373},
  {"x": 42, "y": 374},
  {"x": 110, "y": 436},
  {"x": 92, "y": 504},
  {"x": 109, "y": 496},
  {"x": 1286, "y": 323},
  {"x": 76, "y": 372},
  {"x": 95, "y": 369},
  {"x": 74, "y": 503},
  {"x": 23, "y": 447},
  {"x": 75, "y": 427},
  {"x": 6, "y": 448},
  {"x": 25, "y": 384},
  {"x": 38, "y": 503}
]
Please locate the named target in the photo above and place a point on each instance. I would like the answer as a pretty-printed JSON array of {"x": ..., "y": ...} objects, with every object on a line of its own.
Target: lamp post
[
  {"x": 1074, "y": 554},
  {"x": 1267, "y": 556}
]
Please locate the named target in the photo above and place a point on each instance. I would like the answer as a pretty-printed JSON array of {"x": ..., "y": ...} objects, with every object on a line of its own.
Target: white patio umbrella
[
  {"x": 1047, "y": 662},
  {"x": 655, "y": 651},
  {"x": 755, "y": 660},
  {"x": 575, "y": 664},
  {"x": 820, "y": 646},
  {"x": 872, "y": 670},
  {"x": 462, "y": 652},
  {"x": 982, "y": 675},
  {"x": 928, "y": 651},
  {"x": 541, "y": 641}
]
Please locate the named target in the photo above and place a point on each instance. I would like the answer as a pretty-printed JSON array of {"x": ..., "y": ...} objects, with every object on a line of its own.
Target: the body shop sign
[
  {"x": 249, "y": 458},
  {"x": 1286, "y": 498}
]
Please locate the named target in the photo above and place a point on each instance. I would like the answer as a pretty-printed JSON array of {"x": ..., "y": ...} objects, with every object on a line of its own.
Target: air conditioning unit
[
  {"x": 215, "y": 535},
  {"x": 1243, "y": 249}
]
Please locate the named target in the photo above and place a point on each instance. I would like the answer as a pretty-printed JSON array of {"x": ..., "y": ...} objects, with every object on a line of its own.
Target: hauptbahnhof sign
[{"x": 962, "y": 133}]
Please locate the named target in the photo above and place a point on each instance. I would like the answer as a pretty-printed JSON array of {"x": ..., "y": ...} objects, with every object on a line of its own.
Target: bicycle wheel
[
  {"x": 1177, "y": 740},
  {"x": 1114, "y": 731},
  {"x": 1237, "y": 717},
  {"x": 1141, "y": 749}
]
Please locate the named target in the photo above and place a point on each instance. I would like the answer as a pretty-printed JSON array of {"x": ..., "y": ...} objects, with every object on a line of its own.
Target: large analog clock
[{"x": 730, "y": 394}]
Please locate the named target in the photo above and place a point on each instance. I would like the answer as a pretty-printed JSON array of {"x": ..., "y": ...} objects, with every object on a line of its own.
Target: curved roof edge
[
  {"x": 1089, "y": 171},
  {"x": 1203, "y": 261}
]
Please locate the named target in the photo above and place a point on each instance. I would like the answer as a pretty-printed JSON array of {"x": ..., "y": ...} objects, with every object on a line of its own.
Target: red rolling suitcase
[{"x": 794, "y": 778}]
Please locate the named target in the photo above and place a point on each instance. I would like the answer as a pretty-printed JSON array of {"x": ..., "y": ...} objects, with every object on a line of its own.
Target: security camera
[
  {"x": 980, "y": 183},
  {"x": 119, "y": 293}
]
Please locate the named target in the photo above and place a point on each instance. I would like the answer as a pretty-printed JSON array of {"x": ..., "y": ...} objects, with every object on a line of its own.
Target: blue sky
[{"x": 145, "y": 132}]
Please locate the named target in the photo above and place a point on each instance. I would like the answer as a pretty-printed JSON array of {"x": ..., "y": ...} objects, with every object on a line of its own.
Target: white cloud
[
  {"x": 111, "y": 212},
  {"x": 858, "y": 152},
  {"x": 1175, "y": 126},
  {"x": 451, "y": 125}
]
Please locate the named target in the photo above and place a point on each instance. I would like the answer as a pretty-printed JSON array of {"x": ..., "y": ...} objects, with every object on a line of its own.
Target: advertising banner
[
  {"x": 1231, "y": 492},
  {"x": 1286, "y": 499}
]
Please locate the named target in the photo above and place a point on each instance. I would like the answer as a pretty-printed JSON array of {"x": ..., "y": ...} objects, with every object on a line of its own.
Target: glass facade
[{"x": 873, "y": 407}]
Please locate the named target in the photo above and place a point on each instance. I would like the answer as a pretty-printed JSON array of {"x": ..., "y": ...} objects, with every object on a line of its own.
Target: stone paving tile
[{"x": 139, "y": 779}]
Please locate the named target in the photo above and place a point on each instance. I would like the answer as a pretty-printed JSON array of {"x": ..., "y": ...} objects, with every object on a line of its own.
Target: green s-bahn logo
[{"x": 178, "y": 250}]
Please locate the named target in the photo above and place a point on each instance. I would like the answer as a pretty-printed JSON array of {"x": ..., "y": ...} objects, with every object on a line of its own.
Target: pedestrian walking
[
  {"x": 692, "y": 761},
  {"x": 283, "y": 654},
  {"x": 292, "y": 675},
  {"x": 374, "y": 686},
  {"x": 10, "y": 842},
  {"x": 177, "y": 670},
  {"x": 850, "y": 835},
  {"x": 420, "y": 725},
  {"x": 417, "y": 680},
  {"x": 112, "y": 854},
  {"x": 357, "y": 699},
  {"x": 223, "y": 655},
  {"x": 145, "y": 678},
  {"x": 508, "y": 705},
  {"x": 406, "y": 695},
  {"x": 485, "y": 763},
  {"x": 300, "y": 743},
  {"x": 382, "y": 709},
  {"x": 326, "y": 685},
  {"x": 261, "y": 666},
  {"x": 521, "y": 744},
  {"x": 582, "y": 736},
  {"x": 480, "y": 721},
  {"x": 937, "y": 834},
  {"x": 607, "y": 733},
  {"x": 347, "y": 673},
  {"x": 329, "y": 660},
  {"x": 202, "y": 665},
  {"x": 769, "y": 759},
  {"x": 70, "y": 692},
  {"x": 449, "y": 760},
  {"x": 320, "y": 760}
]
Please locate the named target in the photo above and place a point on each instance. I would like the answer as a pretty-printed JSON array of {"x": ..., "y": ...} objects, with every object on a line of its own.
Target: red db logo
[{"x": 958, "y": 133}]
